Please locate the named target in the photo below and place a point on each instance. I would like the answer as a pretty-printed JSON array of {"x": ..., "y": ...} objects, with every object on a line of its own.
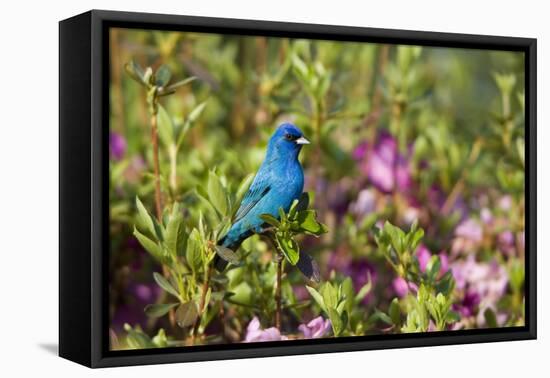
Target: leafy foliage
[{"x": 413, "y": 219}]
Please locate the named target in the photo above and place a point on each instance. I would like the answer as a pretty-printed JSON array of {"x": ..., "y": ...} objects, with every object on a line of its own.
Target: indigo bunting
[{"x": 278, "y": 182}]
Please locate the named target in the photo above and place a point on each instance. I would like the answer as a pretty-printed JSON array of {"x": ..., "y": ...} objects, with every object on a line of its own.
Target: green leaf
[
  {"x": 174, "y": 231},
  {"x": 395, "y": 311},
  {"x": 289, "y": 247},
  {"x": 148, "y": 74},
  {"x": 445, "y": 284},
  {"x": 452, "y": 317},
  {"x": 196, "y": 112},
  {"x": 228, "y": 254},
  {"x": 383, "y": 317},
  {"x": 163, "y": 75},
  {"x": 176, "y": 85},
  {"x": 299, "y": 66},
  {"x": 330, "y": 295},
  {"x": 165, "y": 284},
  {"x": 135, "y": 72},
  {"x": 317, "y": 297},
  {"x": 336, "y": 321},
  {"x": 396, "y": 236},
  {"x": 150, "y": 246},
  {"x": 490, "y": 318},
  {"x": 416, "y": 238},
  {"x": 216, "y": 193},
  {"x": 165, "y": 126},
  {"x": 520, "y": 146},
  {"x": 268, "y": 218},
  {"x": 158, "y": 310},
  {"x": 348, "y": 295},
  {"x": 145, "y": 218},
  {"x": 136, "y": 339},
  {"x": 307, "y": 221},
  {"x": 193, "y": 253},
  {"x": 433, "y": 267},
  {"x": 364, "y": 291},
  {"x": 190, "y": 121},
  {"x": 160, "y": 339},
  {"x": 186, "y": 314}
]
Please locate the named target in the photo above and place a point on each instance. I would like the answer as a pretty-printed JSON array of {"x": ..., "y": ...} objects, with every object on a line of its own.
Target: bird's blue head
[{"x": 287, "y": 140}]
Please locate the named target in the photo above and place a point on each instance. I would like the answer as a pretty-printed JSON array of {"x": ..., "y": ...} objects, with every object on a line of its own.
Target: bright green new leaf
[
  {"x": 490, "y": 318},
  {"x": 336, "y": 321},
  {"x": 289, "y": 247},
  {"x": 268, "y": 218},
  {"x": 174, "y": 229},
  {"x": 146, "y": 219},
  {"x": 165, "y": 284},
  {"x": 317, "y": 297},
  {"x": 193, "y": 253},
  {"x": 395, "y": 311},
  {"x": 308, "y": 223},
  {"x": 364, "y": 291},
  {"x": 150, "y": 246}
]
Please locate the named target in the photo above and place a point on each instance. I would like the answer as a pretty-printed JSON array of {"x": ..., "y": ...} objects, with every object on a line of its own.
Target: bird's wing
[{"x": 259, "y": 188}]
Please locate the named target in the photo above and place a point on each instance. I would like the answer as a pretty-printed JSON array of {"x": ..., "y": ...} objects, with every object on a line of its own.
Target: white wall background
[{"x": 29, "y": 187}]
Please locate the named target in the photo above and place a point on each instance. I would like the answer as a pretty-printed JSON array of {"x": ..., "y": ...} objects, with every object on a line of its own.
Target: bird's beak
[{"x": 302, "y": 140}]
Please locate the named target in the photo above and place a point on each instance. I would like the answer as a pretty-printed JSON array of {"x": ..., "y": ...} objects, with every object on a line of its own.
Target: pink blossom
[
  {"x": 505, "y": 241},
  {"x": 468, "y": 236},
  {"x": 423, "y": 255},
  {"x": 117, "y": 146},
  {"x": 385, "y": 167},
  {"x": 505, "y": 203},
  {"x": 488, "y": 280},
  {"x": 316, "y": 328},
  {"x": 365, "y": 203},
  {"x": 486, "y": 216},
  {"x": 400, "y": 287},
  {"x": 254, "y": 333}
]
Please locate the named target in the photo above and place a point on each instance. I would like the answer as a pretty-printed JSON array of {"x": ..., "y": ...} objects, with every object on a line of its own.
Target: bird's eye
[{"x": 290, "y": 137}]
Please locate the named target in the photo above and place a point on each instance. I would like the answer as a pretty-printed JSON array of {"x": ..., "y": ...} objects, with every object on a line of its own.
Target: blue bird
[{"x": 278, "y": 182}]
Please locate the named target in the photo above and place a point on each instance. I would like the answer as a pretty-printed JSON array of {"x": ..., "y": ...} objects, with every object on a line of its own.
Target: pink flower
[
  {"x": 400, "y": 286},
  {"x": 470, "y": 229},
  {"x": 505, "y": 241},
  {"x": 385, "y": 167},
  {"x": 486, "y": 216},
  {"x": 505, "y": 203},
  {"x": 117, "y": 146},
  {"x": 423, "y": 255},
  {"x": 254, "y": 333},
  {"x": 468, "y": 236},
  {"x": 488, "y": 280},
  {"x": 316, "y": 328},
  {"x": 365, "y": 203}
]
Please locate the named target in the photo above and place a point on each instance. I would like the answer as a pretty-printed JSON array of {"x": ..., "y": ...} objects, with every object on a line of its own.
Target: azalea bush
[{"x": 413, "y": 212}]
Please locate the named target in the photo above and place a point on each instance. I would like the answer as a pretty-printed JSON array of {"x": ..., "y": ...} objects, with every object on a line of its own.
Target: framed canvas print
[{"x": 234, "y": 188}]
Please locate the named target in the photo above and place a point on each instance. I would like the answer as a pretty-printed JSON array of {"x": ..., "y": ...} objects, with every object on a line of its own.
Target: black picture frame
[{"x": 83, "y": 195}]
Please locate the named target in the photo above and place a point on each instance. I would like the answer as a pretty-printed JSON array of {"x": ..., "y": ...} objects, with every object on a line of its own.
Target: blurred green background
[{"x": 399, "y": 133}]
